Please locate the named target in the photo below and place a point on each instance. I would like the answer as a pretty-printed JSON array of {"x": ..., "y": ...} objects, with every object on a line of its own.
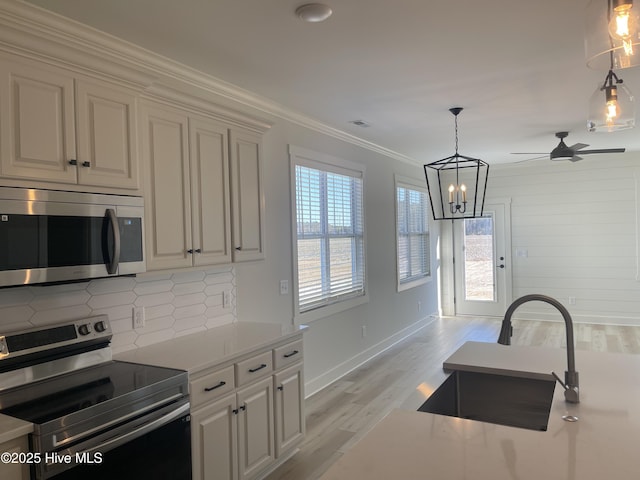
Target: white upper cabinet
[
  {"x": 203, "y": 189},
  {"x": 106, "y": 136},
  {"x": 56, "y": 126},
  {"x": 247, "y": 196},
  {"x": 210, "y": 191},
  {"x": 186, "y": 189}
]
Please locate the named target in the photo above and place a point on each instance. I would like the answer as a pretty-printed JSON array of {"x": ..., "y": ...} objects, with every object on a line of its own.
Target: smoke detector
[{"x": 314, "y": 12}]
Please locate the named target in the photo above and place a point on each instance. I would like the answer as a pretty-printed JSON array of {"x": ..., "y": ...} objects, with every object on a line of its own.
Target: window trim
[
  {"x": 412, "y": 184},
  {"x": 321, "y": 161}
]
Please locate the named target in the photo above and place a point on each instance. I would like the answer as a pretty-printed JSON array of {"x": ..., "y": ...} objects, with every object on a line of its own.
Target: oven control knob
[
  {"x": 84, "y": 329},
  {"x": 99, "y": 327}
]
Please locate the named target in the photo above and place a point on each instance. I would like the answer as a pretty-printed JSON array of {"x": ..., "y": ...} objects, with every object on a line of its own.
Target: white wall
[
  {"x": 578, "y": 223},
  {"x": 334, "y": 345}
]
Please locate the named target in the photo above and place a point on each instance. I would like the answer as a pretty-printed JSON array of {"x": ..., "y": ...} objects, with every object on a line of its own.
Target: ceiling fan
[{"x": 563, "y": 152}]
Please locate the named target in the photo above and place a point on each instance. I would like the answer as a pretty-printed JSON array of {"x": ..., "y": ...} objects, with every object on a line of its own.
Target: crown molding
[{"x": 38, "y": 33}]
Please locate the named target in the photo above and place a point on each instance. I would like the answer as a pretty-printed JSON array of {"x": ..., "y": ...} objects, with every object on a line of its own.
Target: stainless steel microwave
[{"x": 49, "y": 236}]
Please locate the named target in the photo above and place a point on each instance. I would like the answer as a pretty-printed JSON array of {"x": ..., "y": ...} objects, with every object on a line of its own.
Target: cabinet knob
[
  {"x": 190, "y": 251},
  {"x": 238, "y": 248},
  {"x": 198, "y": 250},
  {"x": 86, "y": 164},
  {"x": 73, "y": 162},
  {"x": 281, "y": 388}
]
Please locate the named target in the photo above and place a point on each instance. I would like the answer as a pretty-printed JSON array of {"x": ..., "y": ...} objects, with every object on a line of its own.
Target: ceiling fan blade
[
  {"x": 578, "y": 146},
  {"x": 575, "y": 158},
  {"x": 529, "y": 153},
  {"x": 545, "y": 155},
  {"x": 603, "y": 150}
]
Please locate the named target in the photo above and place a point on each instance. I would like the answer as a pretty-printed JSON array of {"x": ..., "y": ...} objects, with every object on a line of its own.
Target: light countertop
[
  {"x": 212, "y": 347},
  {"x": 412, "y": 445},
  {"x": 12, "y": 428},
  {"x": 192, "y": 353}
]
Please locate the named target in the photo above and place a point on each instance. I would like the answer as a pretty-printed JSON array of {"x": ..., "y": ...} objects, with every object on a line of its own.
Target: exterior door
[{"x": 482, "y": 271}]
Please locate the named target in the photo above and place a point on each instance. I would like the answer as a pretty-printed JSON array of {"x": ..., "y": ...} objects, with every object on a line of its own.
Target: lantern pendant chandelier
[{"x": 466, "y": 178}]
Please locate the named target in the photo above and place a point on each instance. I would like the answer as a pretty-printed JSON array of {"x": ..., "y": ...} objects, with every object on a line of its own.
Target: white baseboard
[
  {"x": 580, "y": 318},
  {"x": 339, "y": 371}
]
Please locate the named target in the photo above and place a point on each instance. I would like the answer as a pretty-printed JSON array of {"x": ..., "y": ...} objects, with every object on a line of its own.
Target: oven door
[
  {"x": 160, "y": 449},
  {"x": 51, "y": 241}
]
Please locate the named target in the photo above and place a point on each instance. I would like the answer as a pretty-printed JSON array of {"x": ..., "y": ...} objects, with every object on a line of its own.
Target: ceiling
[{"x": 517, "y": 67}]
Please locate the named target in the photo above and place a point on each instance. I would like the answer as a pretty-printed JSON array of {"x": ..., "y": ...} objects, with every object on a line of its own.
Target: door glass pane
[{"x": 479, "y": 259}]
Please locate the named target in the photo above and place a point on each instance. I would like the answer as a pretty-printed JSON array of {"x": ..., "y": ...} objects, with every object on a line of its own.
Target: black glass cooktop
[{"x": 51, "y": 399}]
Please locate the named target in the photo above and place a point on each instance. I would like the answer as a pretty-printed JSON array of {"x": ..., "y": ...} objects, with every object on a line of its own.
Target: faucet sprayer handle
[{"x": 570, "y": 385}]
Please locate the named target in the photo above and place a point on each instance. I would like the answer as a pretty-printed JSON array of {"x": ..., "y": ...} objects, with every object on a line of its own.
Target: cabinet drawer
[
  {"x": 254, "y": 367},
  {"x": 212, "y": 386},
  {"x": 287, "y": 354}
]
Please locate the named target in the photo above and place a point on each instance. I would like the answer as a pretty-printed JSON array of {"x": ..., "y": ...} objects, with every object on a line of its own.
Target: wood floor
[{"x": 403, "y": 376}]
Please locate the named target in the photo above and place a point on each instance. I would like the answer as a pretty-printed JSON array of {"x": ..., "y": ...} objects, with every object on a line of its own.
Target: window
[
  {"x": 412, "y": 228},
  {"x": 329, "y": 234}
]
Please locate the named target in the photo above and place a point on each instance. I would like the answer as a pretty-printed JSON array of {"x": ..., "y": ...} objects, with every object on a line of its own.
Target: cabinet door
[
  {"x": 210, "y": 197},
  {"x": 255, "y": 427},
  {"x": 37, "y": 132},
  {"x": 167, "y": 188},
  {"x": 106, "y": 134},
  {"x": 247, "y": 196},
  {"x": 214, "y": 451},
  {"x": 289, "y": 411}
]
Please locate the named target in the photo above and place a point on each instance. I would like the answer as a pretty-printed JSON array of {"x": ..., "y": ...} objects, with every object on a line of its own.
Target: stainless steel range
[{"x": 94, "y": 417}]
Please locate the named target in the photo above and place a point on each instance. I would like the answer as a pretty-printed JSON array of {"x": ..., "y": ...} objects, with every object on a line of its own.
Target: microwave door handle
[{"x": 112, "y": 267}]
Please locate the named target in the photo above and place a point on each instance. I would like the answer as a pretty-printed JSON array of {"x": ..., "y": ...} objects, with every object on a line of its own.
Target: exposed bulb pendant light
[
  {"x": 612, "y": 34},
  {"x": 467, "y": 183},
  {"x": 623, "y": 25},
  {"x": 617, "y": 112}
]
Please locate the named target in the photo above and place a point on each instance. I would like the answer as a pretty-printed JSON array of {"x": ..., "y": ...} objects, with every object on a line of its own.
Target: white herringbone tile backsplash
[{"x": 175, "y": 304}]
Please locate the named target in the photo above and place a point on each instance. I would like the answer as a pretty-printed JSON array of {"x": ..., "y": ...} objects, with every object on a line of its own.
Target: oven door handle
[
  {"x": 112, "y": 266},
  {"x": 57, "y": 443},
  {"x": 138, "y": 432}
]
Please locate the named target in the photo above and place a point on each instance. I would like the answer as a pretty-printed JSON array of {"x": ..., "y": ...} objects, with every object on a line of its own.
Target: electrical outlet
[
  {"x": 139, "y": 319},
  {"x": 226, "y": 299},
  {"x": 572, "y": 300},
  {"x": 419, "y": 306},
  {"x": 284, "y": 287},
  {"x": 364, "y": 331}
]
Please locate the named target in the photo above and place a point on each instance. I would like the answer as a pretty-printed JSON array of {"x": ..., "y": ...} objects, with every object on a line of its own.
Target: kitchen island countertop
[{"x": 411, "y": 445}]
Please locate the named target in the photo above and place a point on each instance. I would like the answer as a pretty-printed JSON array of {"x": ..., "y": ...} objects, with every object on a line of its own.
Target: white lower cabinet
[
  {"x": 242, "y": 427},
  {"x": 256, "y": 449},
  {"x": 214, "y": 444},
  {"x": 289, "y": 411},
  {"x": 17, "y": 470}
]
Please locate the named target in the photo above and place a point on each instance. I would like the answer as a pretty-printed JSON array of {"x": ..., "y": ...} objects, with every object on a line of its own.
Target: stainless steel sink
[{"x": 505, "y": 400}]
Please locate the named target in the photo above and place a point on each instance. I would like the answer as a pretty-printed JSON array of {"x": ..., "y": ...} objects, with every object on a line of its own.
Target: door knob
[{"x": 501, "y": 265}]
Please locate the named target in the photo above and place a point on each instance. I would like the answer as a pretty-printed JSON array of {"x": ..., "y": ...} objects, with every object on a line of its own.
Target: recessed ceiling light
[{"x": 314, "y": 12}]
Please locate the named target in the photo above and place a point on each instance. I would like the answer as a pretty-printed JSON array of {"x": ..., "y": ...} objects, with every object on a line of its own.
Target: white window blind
[
  {"x": 414, "y": 256},
  {"x": 330, "y": 236}
]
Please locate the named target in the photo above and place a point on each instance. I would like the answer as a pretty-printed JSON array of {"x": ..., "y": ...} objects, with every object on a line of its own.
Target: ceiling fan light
[{"x": 611, "y": 108}]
